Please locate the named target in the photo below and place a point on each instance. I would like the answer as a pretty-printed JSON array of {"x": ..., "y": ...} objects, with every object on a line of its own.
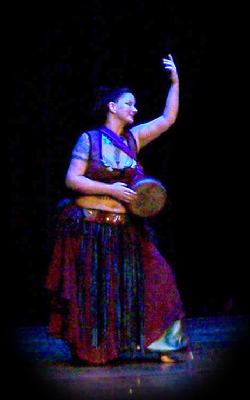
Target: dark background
[{"x": 56, "y": 55}]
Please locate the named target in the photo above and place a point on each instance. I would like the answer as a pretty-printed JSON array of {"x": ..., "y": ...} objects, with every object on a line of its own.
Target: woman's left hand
[{"x": 170, "y": 66}]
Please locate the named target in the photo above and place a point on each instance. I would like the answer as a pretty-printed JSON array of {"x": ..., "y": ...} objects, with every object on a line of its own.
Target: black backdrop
[{"x": 57, "y": 55}]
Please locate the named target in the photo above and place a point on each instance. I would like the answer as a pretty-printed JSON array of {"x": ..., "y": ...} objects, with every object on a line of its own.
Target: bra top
[{"x": 106, "y": 162}]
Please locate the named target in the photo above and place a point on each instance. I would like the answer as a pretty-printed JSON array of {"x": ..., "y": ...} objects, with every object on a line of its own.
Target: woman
[{"x": 113, "y": 293}]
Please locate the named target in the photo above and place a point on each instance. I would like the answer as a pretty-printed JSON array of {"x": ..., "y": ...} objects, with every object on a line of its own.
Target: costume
[{"x": 112, "y": 291}]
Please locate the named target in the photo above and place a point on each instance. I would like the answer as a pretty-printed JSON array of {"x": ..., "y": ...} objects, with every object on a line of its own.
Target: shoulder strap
[
  {"x": 117, "y": 141},
  {"x": 131, "y": 142}
]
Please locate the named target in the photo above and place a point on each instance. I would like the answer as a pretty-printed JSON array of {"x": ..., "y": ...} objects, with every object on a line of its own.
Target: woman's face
[{"x": 125, "y": 108}]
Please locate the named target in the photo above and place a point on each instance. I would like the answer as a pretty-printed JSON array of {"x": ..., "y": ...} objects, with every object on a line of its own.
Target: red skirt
[{"x": 111, "y": 290}]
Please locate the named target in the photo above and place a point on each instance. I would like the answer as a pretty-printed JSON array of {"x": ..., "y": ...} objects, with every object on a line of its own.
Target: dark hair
[{"x": 103, "y": 96}]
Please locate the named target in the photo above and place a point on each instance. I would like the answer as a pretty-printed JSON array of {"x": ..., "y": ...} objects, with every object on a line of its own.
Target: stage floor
[{"x": 217, "y": 342}]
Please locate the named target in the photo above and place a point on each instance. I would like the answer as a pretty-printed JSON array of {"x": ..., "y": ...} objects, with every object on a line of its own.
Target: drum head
[{"x": 151, "y": 197}]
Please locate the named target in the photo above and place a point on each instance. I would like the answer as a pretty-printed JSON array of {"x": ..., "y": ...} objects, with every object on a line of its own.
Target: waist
[
  {"x": 105, "y": 217},
  {"x": 100, "y": 202}
]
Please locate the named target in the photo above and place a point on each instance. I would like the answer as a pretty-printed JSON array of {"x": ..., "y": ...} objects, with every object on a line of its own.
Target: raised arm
[{"x": 145, "y": 133}]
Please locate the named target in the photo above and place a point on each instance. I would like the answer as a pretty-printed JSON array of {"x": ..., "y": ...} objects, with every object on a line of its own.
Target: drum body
[{"x": 151, "y": 197}]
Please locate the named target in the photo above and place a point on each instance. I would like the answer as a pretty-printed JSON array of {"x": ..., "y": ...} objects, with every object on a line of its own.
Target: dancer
[{"x": 112, "y": 291}]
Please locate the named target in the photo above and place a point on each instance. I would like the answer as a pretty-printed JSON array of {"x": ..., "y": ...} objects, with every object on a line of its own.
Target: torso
[{"x": 107, "y": 163}]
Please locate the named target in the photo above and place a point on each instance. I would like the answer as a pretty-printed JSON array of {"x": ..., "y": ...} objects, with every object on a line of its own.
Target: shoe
[
  {"x": 177, "y": 356},
  {"x": 166, "y": 359}
]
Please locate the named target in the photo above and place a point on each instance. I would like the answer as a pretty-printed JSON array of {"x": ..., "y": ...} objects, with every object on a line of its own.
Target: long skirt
[{"x": 112, "y": 292}]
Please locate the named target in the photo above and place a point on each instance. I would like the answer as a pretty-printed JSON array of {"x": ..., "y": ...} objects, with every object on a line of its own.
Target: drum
[{"x": 151, "y": 197}]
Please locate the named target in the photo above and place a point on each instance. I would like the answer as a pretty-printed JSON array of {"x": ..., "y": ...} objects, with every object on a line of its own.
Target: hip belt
[{"x": 105, "y": 217}]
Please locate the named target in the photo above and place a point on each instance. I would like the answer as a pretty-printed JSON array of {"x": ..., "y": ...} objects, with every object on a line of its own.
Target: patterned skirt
[{"x": 111, "y": 290}]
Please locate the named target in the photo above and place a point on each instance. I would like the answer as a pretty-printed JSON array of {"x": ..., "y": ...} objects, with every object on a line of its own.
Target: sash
[{"x": 117, "y": 141}]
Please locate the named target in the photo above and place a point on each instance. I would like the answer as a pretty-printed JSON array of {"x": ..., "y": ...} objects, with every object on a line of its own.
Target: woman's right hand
[{"x": 122, "y": 192}]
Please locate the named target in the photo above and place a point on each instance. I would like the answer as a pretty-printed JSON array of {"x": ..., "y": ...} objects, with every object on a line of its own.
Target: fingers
[
  {"x": 120, "y": 184},
  {"x": 169, "y": 58},
  {"x": 125, "y": 188},
  {"x": 169, "y": 61},
  {"x": 168, "y": 64},
  {"x": 129, "y": 197},
  {"x": 129, "y": 194},
  {"x": 123, "y": 192}
]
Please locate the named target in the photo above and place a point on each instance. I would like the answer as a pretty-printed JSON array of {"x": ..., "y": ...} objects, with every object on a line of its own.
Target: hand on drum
[{"x": 122, "y": 192}]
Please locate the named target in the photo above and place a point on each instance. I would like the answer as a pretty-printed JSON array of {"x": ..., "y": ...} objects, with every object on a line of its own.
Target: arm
[
  {"x": 76, "y": 181},
  {"x": 145, "y": 133}
]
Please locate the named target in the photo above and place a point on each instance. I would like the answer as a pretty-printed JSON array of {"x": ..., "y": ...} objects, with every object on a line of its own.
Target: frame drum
[{"x": 151, "y": 197}]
